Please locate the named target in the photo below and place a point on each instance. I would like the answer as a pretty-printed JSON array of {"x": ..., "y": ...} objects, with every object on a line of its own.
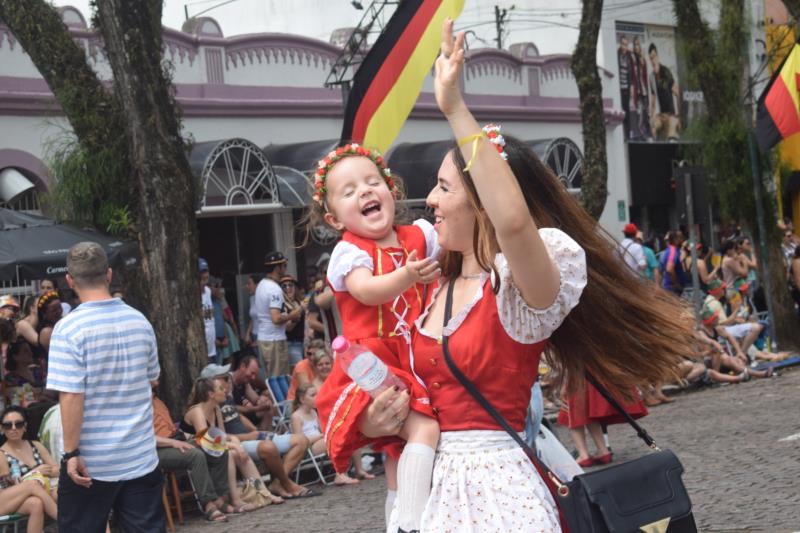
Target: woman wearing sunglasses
[{"x": 26, "y": 494}]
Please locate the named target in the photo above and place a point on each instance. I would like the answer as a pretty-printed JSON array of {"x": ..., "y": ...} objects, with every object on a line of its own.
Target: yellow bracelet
[{"x": 475, "y": 139}]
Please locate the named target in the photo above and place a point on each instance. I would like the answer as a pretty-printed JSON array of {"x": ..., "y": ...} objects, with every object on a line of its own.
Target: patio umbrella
[{"x": 35, "y": 247}]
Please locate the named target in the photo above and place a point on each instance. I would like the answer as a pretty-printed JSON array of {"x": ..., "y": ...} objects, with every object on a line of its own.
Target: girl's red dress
[
  {"x": 384, "y": 329},
  {"x": 589, "y": 406}
]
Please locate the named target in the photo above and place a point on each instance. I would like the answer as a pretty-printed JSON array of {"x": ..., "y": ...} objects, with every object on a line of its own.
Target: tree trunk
[
  {"x": 165, "y": 185},
  {"x": 140, "y": 124},
  {"x": 594, "y": 187}
]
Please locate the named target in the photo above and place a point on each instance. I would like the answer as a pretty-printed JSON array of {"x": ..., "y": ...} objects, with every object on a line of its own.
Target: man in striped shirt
[{"x": 102, "y": 358}]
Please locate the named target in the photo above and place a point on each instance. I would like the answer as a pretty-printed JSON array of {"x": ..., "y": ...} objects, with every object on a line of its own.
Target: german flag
[
  {"x": 779, "y": 104},
  {"x": 390, "y": 78}
]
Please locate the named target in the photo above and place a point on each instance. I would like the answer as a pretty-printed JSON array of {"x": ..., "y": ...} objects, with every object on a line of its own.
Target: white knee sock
[
  {"x": 414, "y": 473},
  {"x": 391, "y": 495}
]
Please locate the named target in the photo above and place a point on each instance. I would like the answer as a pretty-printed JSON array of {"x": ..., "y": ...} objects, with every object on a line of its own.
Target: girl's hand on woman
[
  {"x": 448, "y": 71},
  {"x": 386, "y": 414}
]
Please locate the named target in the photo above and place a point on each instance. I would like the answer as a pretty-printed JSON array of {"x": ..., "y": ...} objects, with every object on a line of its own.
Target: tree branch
[{"x": 87, "y": 104}]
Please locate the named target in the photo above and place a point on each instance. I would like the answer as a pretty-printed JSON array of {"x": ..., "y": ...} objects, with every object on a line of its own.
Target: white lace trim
[
  {"x": 335, "y": 409},
  {"x": 529, "y": 325},
  {"x": 523, "y": 323},
  {"x": 346, "y": 257}
]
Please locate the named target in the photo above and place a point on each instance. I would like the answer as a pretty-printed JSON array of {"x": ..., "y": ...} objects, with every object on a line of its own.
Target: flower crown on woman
[
  {"x": 348, "y": 150},
  {"x": 46, "y": 298}
]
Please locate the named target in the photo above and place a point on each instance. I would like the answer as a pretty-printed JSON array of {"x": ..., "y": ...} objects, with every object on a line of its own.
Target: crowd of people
[{"x": 515, "y": 282}]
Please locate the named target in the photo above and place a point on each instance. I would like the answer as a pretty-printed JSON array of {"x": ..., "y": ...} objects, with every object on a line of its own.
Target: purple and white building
[{"x": 242, "y": 95}]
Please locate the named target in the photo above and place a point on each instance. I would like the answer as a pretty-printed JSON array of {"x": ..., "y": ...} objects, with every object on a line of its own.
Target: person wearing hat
[
  {"x": 631, "y": 251},
  {"x": 207, "y": 304},
  {"x": 272, "y": 318},
  {"x": 9, "y": 307}
]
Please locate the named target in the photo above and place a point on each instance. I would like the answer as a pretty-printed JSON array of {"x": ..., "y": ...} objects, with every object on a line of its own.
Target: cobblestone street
[{"x": 742, "y": 468}]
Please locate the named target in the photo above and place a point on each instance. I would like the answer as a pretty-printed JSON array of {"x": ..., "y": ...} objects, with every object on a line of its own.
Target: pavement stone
[{"x": 739, "y": 472}]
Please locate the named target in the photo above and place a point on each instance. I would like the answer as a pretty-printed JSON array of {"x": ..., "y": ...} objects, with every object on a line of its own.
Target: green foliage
[
  {"x": 717, "y": 60},
  {"x": 90, "y": 185}
]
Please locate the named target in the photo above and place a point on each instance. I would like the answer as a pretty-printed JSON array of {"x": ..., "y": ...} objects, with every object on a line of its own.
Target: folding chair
[
  {"x": 278, "y": 392},
  {"x": 315, "y": 462},
  {"x": 12, "y": 521}
]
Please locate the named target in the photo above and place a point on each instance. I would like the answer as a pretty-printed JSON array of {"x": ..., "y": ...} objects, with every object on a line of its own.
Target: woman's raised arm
[{"x": 532, "y": 268}]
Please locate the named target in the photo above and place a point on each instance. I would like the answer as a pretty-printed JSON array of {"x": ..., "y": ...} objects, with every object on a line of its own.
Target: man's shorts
[{"x": 282, "y": 442}]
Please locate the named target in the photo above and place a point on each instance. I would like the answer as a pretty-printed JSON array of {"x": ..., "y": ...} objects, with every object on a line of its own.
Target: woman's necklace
[{"x": 471, "y": 276}]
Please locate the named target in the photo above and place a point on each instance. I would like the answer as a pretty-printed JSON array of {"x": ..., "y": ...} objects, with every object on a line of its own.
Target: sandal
[
  {"x": 215, "y": 515},
  {"x": 365, "y": 475}
]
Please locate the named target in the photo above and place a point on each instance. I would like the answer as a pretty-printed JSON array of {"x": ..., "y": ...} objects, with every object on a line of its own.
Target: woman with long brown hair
[{"x": 529, "y": 271}]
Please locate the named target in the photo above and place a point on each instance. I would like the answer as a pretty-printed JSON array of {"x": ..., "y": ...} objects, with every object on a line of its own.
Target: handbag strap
[{"x": 481, "y": 399}]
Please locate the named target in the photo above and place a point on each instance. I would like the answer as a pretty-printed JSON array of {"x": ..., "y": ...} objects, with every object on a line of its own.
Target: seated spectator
[
  {"x": 209, "y": 474},
  {"x": 26, "y": 498},
  {"x": 738, "y": 327},
  {"x": 711, "y": 332},
  {"x": 250, "y": 393},
  {"x": 38, "y": 470},
  {"x": 267, "y": 446},
  {"x": 323, "y": 364},
  {"x": 305, "y": 421},
  {"x": 29, "y": 321},
  {"x": 23, "y": 381},
  {"x": 204, "y": 412},
  {"x": 303, "y": 372}
]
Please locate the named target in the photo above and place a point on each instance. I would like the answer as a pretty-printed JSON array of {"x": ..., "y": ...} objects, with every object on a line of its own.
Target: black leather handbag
[{"x": 644, "y": 495}]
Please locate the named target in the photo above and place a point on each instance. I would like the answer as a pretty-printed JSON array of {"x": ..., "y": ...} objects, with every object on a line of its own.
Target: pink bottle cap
[{"x": 340, "y": 344}]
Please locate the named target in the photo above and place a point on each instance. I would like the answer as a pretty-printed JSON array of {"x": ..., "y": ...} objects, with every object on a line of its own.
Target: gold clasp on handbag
[
  {"x": 563, "y": 490},
  {"x": 655, "y": 447}
]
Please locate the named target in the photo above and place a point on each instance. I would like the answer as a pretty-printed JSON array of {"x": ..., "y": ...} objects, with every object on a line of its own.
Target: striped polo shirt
[{"x": 107, "y": 351}]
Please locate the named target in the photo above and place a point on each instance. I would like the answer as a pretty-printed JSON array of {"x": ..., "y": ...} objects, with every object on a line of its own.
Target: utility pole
[{"x": 500, "y": 19}]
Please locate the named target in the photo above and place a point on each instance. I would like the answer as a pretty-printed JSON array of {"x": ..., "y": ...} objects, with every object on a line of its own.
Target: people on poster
[
  {"x": 664, "y": 119},
  {"x": 624, "y": 65},
  {"x": 639, "y": 125}
]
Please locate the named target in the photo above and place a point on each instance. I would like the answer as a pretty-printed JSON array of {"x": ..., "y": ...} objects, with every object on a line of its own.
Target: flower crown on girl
[{"x": 326, "y": 164}]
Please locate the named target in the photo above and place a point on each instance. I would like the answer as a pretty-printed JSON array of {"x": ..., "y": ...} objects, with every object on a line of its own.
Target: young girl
[
  {"x": 376, "y": 272},
  {"x": 305, "y": 421}
]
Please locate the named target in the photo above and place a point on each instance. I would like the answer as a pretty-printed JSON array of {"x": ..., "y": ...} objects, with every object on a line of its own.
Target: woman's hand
[
  {"x": 386, "y": 414},
  {"x": 448, "y": 71}
]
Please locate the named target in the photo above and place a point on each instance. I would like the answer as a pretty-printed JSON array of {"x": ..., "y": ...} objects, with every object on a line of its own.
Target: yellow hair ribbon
[{"x": 475, "y": 139}]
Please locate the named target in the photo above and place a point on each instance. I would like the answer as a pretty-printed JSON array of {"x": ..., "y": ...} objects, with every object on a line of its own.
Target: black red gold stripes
[
  {"x": 390, "y": 78},
  {"x": 779, "y": 104}
]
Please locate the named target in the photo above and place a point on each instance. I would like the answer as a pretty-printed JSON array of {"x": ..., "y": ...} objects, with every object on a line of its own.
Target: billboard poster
[{"x": 647, "y": 66}]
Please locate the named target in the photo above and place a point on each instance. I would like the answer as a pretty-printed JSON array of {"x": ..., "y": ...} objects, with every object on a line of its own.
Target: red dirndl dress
[
  {"x": 589, "y": 406},
  {"x": 384, "y": 329}
]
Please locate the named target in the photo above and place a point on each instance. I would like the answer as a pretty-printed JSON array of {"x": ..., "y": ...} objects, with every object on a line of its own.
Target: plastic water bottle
[
  {"x": 364, "y": 367},
  {"x": 16, "y": 473}
]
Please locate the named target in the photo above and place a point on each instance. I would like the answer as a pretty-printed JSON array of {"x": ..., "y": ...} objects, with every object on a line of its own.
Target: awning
[
  {"x": 301, "y": 156},
  {"x": 418, "y": 163},
  {"x": 35, "y": 247},
  {"x": 12, "y": 184}
]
